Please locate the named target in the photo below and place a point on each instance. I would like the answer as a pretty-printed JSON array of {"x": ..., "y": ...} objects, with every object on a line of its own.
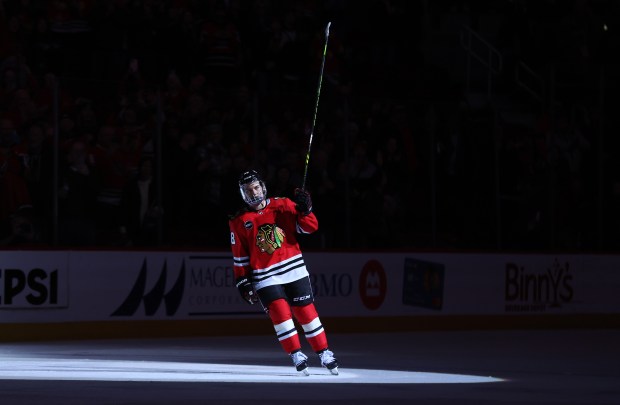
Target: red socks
[{"x": 281, "y": 317}]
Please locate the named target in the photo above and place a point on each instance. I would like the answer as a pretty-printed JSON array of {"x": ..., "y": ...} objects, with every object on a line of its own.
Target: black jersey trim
[{"x": 285, "y": 267}]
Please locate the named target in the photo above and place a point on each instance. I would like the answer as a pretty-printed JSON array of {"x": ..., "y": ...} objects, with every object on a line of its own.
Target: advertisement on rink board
[
  {"x": 95, "y": 286},
  {"x": 27, "y": 282}
]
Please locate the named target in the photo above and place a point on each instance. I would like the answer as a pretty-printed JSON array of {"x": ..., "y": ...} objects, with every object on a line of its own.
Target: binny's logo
[
  {"x": 154, "y": 298},
  {"x": 535, "y": 291}
]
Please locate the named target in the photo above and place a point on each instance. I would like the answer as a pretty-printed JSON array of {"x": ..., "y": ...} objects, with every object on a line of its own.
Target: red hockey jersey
[{"x": 264, "y": 243}]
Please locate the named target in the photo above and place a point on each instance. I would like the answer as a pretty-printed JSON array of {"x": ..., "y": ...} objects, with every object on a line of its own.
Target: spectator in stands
[
  {"x": 180, "y": 177},
  {"x": 77, "y": 198},
  {"x": 23, "y": 229},
  {"x": 33, "y": 159},
  {"x": 283, "y": 185},
  {"x": 42, "y": 47},
  {"x": 220, "y": 43},
  {"x": 140, "y": 212},
  {"x": 13, "y": 188},
  {"x": 322, "y": 179}
]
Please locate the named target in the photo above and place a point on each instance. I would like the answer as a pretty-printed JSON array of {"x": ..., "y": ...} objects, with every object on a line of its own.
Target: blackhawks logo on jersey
[{"x": 269, "y": 238}]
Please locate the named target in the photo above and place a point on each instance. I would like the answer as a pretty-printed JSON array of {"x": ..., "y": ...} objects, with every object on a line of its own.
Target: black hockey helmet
[{"x": 246, "y": 178}]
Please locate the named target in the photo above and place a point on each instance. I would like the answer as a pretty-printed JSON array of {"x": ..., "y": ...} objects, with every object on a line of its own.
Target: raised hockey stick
[{"x": 316, "y": 106}]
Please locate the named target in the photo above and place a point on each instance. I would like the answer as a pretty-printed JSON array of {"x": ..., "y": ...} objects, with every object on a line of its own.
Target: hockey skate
[
  {"x": 300, "y": 361},
  {"x": 329, "y": 361}
]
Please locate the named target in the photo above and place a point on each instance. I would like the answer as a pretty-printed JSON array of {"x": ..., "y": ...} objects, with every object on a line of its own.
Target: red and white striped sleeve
[{"x": 240, "y": 253}]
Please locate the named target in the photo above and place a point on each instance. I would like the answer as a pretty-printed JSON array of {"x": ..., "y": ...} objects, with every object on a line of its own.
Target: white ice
[{"x": 123, "y": 370}]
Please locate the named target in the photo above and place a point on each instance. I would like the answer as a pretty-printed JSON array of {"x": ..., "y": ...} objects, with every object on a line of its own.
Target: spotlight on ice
[{"x": 155, "y": 371}]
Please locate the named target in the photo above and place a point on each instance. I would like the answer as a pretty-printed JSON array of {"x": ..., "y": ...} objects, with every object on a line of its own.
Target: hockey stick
[{"x": 316, "y": 106}]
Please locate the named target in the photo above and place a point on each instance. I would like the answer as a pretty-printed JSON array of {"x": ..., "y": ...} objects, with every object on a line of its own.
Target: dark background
[{"x": 483, "y": 125}]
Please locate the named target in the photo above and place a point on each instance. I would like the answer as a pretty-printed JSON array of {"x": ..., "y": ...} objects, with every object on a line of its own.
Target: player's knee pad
[
  {"x": 305, "y": 314},
  {"x": 279, "y": 311}
]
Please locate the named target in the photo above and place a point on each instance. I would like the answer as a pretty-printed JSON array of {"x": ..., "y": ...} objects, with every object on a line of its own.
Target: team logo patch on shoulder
[{"x": 248, "y": 225}]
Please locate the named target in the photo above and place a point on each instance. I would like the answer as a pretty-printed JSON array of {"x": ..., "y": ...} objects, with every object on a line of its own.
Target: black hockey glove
[
  {"x": 303, "y": 201},
  {"x": 246, "y": 290}
]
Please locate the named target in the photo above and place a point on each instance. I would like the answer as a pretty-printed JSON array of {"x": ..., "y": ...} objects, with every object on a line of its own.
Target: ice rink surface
[{"x": 434, "y": 367}]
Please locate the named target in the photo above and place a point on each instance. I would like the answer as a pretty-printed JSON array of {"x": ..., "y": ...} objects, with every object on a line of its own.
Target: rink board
[{"x": 83, "y": 291}]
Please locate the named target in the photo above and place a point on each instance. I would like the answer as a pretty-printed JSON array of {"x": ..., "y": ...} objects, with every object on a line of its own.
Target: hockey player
[{"x": 269, "y": 267}]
